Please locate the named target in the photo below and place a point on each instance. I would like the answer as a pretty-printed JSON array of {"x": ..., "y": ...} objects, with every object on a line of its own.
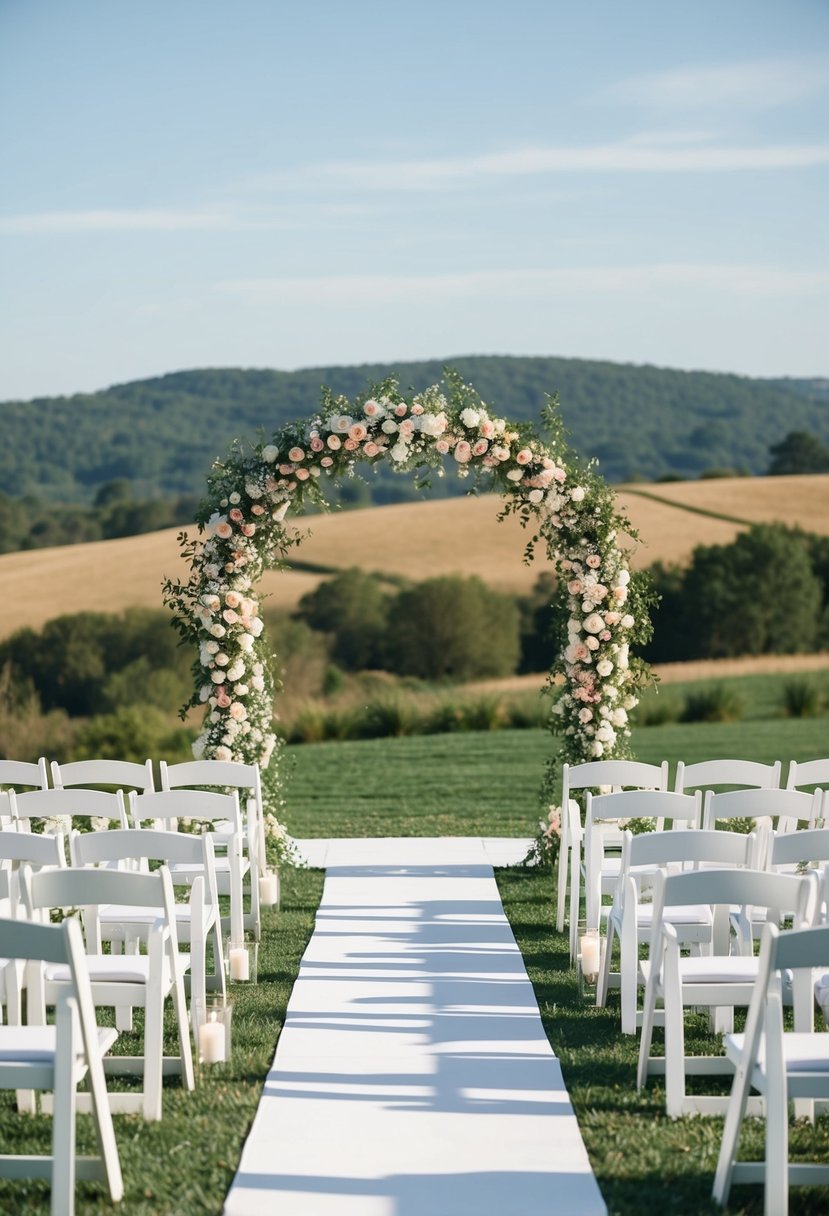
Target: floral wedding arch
[{"x": 568, "y": 507}]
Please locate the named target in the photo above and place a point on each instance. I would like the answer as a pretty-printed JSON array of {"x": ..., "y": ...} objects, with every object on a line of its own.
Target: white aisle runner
[{"x": 413, "y": 1076}]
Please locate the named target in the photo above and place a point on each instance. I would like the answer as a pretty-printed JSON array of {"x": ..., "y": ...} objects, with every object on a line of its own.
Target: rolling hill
[
  {"x": 409, "y": 540},
  {"x": 163, "y": 434}
]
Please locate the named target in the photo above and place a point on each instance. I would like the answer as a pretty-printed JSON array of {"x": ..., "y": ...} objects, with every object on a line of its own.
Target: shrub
[
  {"x": 802, "y": 699},
  {"x": 388, "y": 719},
  {"x": 717, "y": 703},
  {"x": 131, "y": 733},
  {"x": 656, "y": 708}
]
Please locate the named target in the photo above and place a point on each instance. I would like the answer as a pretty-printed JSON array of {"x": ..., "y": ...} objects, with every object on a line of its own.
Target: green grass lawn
[{"x": 460, "y": 784}]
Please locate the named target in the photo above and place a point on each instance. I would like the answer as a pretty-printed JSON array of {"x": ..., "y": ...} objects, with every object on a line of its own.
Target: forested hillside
[{"x": 162, "y": 434}]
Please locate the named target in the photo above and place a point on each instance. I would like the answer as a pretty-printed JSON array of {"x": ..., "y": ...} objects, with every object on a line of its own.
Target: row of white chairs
[
  {"x": 701, "y": 898},
  {"x": 133, "y": 928}
]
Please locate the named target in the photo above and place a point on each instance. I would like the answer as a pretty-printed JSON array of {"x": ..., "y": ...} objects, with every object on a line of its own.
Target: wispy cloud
[
  {"x": 760, "y": 84},
  {"x": 150, "y": 219},
  {"x": 529, "y": 284},
  {"x": 648, "y": 153}
]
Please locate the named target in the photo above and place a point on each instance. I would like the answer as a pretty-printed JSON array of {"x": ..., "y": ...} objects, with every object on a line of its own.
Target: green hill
[{"x": 163, "y": 434}]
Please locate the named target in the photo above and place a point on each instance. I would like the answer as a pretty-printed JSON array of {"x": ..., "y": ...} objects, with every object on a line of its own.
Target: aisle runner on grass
[{"x": 413, "y": 1076}]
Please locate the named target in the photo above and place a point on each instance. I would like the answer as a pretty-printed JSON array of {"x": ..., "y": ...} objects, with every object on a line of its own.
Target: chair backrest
[
  {"x": 595, "y": 774},
  {"x": 226, "y": 774},
  {"x": 730, "y": 849},
  {"x": 170, "y": 806},
  {"x": 126, "y": 774},
  {"x": 57, "y": 808},
  {"x": 788, "y": 808},
  {"x": 807, "y": 772},
  {"x": 147, "y": 844},
  {"x": 724, "y": 889},
  {"x": 789, "y": 848},
  {"x": 705, "y": 773},
  {"x": 86, "y": 887},
  {"x": 24, "y": 772},
  {"x": 643, "y": 804}
]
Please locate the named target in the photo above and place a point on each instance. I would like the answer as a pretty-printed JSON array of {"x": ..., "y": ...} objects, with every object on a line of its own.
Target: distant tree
[
  {"x": 353, "y": 608},
  {"x": 759, "y": 595},
  {"x": 799, "y": 452},
  {"x": 538, "y": 616},
  {"x": 117, "y": 490},
  {"x": 453, "y": 628}
]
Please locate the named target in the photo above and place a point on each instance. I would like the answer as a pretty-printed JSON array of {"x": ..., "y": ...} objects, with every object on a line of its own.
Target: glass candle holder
[
  {"x": 212, "y": 1020},
  {"x": 269, "y": 892},
  {"x": 242, "y": 959},
  {"x": 589, "y": 958}
]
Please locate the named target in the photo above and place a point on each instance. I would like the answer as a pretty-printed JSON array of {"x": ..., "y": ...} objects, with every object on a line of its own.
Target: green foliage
[
  {"x": 93, "y": 662},
  {"x": 717, "y": 703},
  {"x": 354, "y": 610},
  {"x": 31, "y": 523},
  {"x": 453, "y": 628},
  {"x": 802, "y": 699},
  {"x": 799, "y": 452},
  {"x": 636, "y": 420},
  {"x": 762, "y": 594},
  {"x": 131, "y": 733}
]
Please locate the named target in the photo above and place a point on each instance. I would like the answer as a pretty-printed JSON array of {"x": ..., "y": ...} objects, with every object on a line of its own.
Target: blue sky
[{"x": 268, "y": 184}]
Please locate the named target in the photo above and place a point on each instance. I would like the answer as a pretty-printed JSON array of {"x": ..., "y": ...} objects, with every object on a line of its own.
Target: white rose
[
  {"x": 218, "y": 630},
  {"x": 399, "y": 453},
  {"x": 536, "y": 496},
  {"x": 604, "y": 667},
  {"x": 619, "y": 717},
  {"x": 592, "y": 643},
  {"x": 577, "y": 493},
  {"x": 627, "y": 621},
  {"x": 258, "y": 683},
  {"x": 593, "y": 623},
  {"x": 389, "y": 426},
  {"x": 235, "y": 498},
  {"x": 515, "y": 474},
  {"x": 606, "y": 733},
  {"x": 623, "y": 578},
  {"x": 270, "y": 453},
  {"x": 235, "y": 672},
  {"x": 218, "y": 677},
  {"x": 223, "y": 753},
  {"x": 470, "y": 417},
  {"x": 596, "y": 748},
  {"x": 246, "y": 641}
]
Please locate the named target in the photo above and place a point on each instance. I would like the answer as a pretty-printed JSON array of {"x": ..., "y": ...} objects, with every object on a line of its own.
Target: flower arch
[{"x": 567, "y": 506}]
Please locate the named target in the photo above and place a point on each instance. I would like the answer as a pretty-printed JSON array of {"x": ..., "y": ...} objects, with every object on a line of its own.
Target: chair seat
[
  {"x": 110, "y": 914},
  {"x": 110, "y": 968},
  {"x": 37, "y": 1044},
  {"x": 802, "y": 1052},
  {"x": 718, "y": 969},
  {"x": 185, "y": 871},
  {"x": 692, "y": 914}
]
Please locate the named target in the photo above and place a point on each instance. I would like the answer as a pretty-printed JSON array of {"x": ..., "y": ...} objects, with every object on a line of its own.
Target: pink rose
[
  {"x": 373, "y": 409},
  {"x": 575, "y": 587},
  {"x": 524, "y": 456},
  {"x": 248, "y": 529},
  {"x": 370, "y": 449},
  {"x": 334, "y": 442},
  {"x": 326, "y": 462},
  {"x": 296, "y": 454},
  {"x": 302, "y": 474},
  {"x": 316, "y": 444},
  {"x": 358, "y": 432},
  {"x": 594, "y": 561},
  {"x": 223, "y": 529},
  {"x": 400, "y": 410},
  {"x": 286, "y": 469},
  {"x": 222, "y": 699},
  {"x": 487, "y": 428},
  {"x": 406, "y": 428},
  {"x": 230, "y": 616},
  {"x": 463, "y": 451},
  {"x": 417, "y": 408},
  {"x": 351, "y": 445},
  {"x": 441, "y": 446},
  {"x": 479, "y": 447},
  {"x": 236, "y": 515}
]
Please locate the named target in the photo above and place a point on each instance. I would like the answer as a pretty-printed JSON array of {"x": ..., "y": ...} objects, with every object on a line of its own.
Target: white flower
[
  {"x": 218, "y": 677},
  {"x": 399, "y": 453},
  {"x": 236, "y": 672},
  {"x": 536, "y": 496},
  {"x": 606, "y": 733},
  {"x": 246, "y": 642},
  {"x": 269, "y": 453},
  {"x": 515, "y": 474},
  {"x": 619, "y": 717},
  {"x": 218, "y": 630},
  {"x": 627, "y": 621},
  {"x": 470, "y": 417},
  {"x": 604, "y": 667},
  {"x": 389, "y": 426},
  {"x": 223, "y": 753},
  {"x": 623, "y": 578},
  {"x": 593, "y": 623},
  {"x": 252, "y": 490},
  {"x": 577, "y": 493},
  {"x": 258, "y": 683},
  {"x": 596, "y": 748}
]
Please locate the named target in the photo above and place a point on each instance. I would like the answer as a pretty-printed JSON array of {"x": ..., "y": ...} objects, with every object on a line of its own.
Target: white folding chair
[
  {"x": 803, "y": 772},
  {"x": 224, "y": 776},
  {"x": 785, "y": 810},
  {"x": 25, "y": 773},
  {"x": 780, "y": 1065},
  {"x": 57, "y": 1058},
  {"x": 605, "y": 817},
  {"x": 198, "y": 921},
  {"x": 706, "y": 773},
  {"x": 630, "y": 921},
  {"x": 794, "y": 852},
  {"x": 56, "y": 809},
  {"x": 38, "y": 851},
  {"x": 142, "y": 981},
  {"x": 719, "y": 980},
  {"x": 124, "y": 774},
  {"x": 593, "y": 775},
  {"x": 165, "y": 809}
]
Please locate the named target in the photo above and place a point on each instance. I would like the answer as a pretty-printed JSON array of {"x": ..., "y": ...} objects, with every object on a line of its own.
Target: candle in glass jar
[
  {"x": 269, "y": 890},
  {"x": 239, "y": 963},
  {"x": 590, "y": 954},
  {"x": 212, "y": 1041}
]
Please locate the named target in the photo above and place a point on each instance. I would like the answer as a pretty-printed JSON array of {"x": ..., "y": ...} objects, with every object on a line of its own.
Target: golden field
[{"x": 412, "y": 540}]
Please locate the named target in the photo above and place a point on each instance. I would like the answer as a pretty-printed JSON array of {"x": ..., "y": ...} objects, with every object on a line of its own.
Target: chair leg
[
  {"x": 734, "y": 1117},
  {"x": 674, "y": 1036},
  {"x": 629, "y": 973},
  {"x": 561, "y": 882},
  {"x": 607, "y": 955},
  {"x": 64, "y": 1111}
]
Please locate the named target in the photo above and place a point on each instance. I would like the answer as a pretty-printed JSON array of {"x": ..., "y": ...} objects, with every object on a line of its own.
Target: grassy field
[{"x": 411, "y": 540}]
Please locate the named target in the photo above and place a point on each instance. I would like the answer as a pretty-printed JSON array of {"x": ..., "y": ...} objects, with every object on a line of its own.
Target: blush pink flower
[
  {"x": 594, "y": 561},
  {"x": 351, "y": 445},
  {"x": 236, "y": 515},
  {"x": 222, "y": 699},
  {"x": 441, "y": 446},
  {"x": 417, "y": 408},
  {"x": 296, "y": 454},
  {"x": 316, "y": 444},
  {"x": 286, "y": 469},
  {"x": 400, "y": 410},
  {"x": 487, "y": 428},
  {"x": 463, "y": 451},
  {"x": 370, "y": 449},
  {"x": 524, "y": 456},
  {"x": 358, "y": 432},
  {"x": 302, "y": 474},
  {"x": 223, "y": 529},
  {"x": 257, "y": 509},
  {"x": 479, "y": 447},
  {"x": 248, "y": 529},
  {"x": 326, "y": 462},
  {"x": 334, "y": 442}
]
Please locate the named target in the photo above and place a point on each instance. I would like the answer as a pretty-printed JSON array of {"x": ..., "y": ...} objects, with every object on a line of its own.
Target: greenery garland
[{"x": 565, "y": 504}]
